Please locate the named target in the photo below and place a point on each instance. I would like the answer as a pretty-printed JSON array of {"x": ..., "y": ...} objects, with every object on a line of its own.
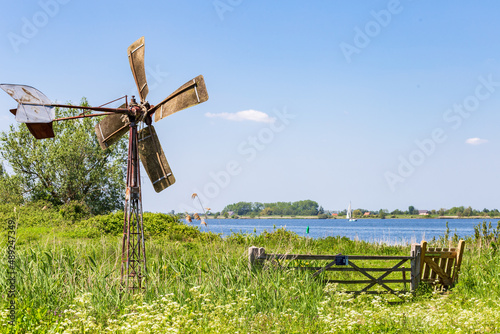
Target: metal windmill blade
[
  {"x": 191, "y": 93},
  {"x": 153, "y": 159},
  {"x": 136, "y": 59},
  {"x": 112, "y": 128}
]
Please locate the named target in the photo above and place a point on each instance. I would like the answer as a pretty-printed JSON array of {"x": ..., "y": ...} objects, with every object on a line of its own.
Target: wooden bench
[{"x": 441, "y": 266}]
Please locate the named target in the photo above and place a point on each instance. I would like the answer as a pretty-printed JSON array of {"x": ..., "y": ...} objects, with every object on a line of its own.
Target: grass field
[{"x": 68, "y": 282}]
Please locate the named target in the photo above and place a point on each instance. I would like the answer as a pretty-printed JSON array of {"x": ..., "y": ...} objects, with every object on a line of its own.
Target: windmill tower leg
[{"x": 133, "y": 268}]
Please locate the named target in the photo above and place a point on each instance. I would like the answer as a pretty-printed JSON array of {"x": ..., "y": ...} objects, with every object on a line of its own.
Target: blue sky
[{"x": 383, "y": 103}]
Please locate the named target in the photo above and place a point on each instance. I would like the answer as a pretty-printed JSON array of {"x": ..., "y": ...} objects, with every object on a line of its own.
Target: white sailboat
[{"x": 349, "y": 214}]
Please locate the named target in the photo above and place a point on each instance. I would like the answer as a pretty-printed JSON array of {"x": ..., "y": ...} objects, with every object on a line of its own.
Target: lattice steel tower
[{"x": 133, "y": 265}]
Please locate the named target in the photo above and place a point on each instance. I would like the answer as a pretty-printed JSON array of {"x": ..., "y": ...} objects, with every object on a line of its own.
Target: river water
[{"x": 389, "y": 231}]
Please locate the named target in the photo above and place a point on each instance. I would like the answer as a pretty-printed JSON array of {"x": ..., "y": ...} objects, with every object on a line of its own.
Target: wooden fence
[{"x": 344, "y": 263}]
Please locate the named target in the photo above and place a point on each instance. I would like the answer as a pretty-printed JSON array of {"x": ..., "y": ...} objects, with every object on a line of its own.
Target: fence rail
[{"x": 329, "y": 257}]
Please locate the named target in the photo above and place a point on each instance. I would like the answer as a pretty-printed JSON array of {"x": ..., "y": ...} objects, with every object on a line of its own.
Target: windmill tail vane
[{"x": 38, "y": 113}]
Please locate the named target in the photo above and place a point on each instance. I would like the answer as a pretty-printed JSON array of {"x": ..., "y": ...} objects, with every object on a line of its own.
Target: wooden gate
[
  {"x": 441, "y": 266},
  {"x": 375, "y": 276}
]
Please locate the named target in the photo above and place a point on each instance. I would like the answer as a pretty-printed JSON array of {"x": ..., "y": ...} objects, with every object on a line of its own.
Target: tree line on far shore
[
  {"x": 253, "y": 209},
  {"x": 312, "y": 208},
  {"x": 456, "y": 211}
]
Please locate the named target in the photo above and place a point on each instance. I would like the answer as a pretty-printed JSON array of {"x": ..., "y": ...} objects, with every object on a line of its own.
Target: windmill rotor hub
[{"x": 135, "y": 110}]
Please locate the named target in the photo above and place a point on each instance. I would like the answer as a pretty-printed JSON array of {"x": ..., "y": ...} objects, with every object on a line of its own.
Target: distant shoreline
[{"x": 343, "y": 217}]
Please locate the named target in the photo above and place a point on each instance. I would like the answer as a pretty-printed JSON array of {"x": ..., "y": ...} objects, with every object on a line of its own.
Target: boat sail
[{"x": 349, "y": 214}]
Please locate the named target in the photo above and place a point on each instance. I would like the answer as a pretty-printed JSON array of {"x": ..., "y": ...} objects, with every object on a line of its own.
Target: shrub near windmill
[{"x": 38, "y": 113}]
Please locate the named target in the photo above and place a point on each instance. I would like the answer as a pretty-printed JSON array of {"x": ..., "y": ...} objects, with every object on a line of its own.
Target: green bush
[
  {"x": 159, "y": 224},
  {"x": 280, "y": 235},
  {"x": 74, "y": 211},
  {"x": 155, "y": 225},
  {"x": 39, "y": 213},
  {"x": 106, "y": 224}
]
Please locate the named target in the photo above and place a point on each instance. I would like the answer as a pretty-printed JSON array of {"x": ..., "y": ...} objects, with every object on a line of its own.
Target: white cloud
[
  {"x": 246, "y": 115},
  {"x": 476, "y": 141}
]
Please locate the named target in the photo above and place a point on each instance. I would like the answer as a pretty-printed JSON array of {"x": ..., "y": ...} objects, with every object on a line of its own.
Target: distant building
[
  {"x": 335, "y": 214},
  {"x": 230, "y": 213},
  {"x": 423, "y": 212},
  {"x": 366, "y": 213}
]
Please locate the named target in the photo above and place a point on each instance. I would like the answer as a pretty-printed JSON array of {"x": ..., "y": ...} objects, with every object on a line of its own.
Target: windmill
[{"x": 38, "y": 112}]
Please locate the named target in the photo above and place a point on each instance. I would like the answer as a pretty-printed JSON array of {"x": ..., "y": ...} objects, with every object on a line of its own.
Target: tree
[
  {"x": 257, "y": 207},
  {"x": 11, "y": 188},
  {"x": 306, "y": 208},
  {"x": 267, "y": 212},
  {"x": 71, "y": 166},
  {"x": 411, "y": 210},
  {"x": 300, "y": 208},
  {"x": 467, "y": 212},
  {"x": 241, "y": 208}
]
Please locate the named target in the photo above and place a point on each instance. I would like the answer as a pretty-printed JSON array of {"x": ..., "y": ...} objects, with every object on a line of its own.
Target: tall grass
[{"x": 71, "y": 284}]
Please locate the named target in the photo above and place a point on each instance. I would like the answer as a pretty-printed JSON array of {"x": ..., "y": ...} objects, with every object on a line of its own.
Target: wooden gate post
[
  {"x": 253, "y": 255},
  {"x": 416, "y": 252}
]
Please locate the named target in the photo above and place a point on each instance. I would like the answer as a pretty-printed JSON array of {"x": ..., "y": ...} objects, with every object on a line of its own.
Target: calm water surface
[{"x": 391, "y": 231}]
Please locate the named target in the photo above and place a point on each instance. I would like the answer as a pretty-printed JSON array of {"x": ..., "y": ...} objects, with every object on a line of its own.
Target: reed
[{"x": 204, "y": 286}]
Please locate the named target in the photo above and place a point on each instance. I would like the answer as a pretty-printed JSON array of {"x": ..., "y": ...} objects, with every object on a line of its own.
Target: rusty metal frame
[{"x": 133, "y": 263}]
